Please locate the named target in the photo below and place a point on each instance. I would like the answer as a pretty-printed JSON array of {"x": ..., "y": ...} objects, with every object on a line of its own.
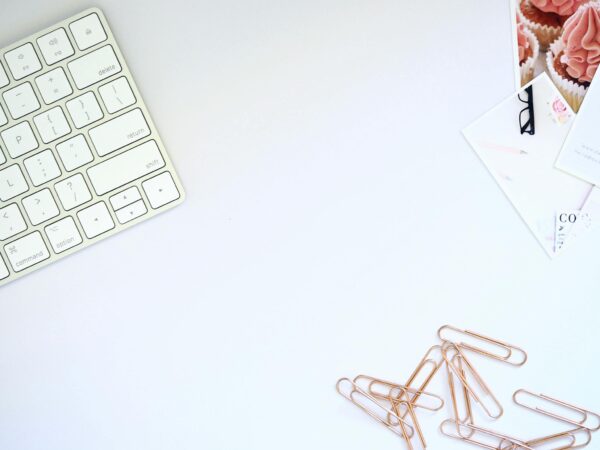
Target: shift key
[
  {"x": 119, "y": 132},
  {"x": 126, "y": 167}
]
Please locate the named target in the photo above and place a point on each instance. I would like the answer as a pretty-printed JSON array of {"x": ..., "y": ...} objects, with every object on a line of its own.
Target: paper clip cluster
[{"x": 396, "y": 405}]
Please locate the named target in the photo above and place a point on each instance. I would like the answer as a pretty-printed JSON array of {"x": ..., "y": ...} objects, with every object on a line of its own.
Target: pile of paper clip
[{"x": 395, "y": 405}]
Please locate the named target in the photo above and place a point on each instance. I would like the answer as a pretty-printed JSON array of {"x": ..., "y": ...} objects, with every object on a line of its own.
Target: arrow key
[
  {"x": 95, "y": 220},
  {"x": 130, "y": 212}
]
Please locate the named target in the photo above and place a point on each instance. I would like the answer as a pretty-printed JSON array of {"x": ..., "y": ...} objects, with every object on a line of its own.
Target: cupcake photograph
[
  {"x": 528, "y": 50},
  {"x": 573, "y": 58},
  {"x": 545, "y": 18},
  {"x": 561, "y": 38}
]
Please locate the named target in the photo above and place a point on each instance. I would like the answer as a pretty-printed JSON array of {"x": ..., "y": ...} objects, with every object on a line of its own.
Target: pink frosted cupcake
[
  {"x": 573, "y": 58},
  {"x": 545, "y": 18},
  {"x": 529, "y": 50}
]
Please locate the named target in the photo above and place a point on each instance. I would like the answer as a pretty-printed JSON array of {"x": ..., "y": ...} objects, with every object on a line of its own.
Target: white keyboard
[{"x": 80, "y": 158}]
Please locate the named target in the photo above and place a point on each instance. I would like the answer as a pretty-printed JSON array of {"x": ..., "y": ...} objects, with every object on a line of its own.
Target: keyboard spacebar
[{"x": 126, "y": 167}]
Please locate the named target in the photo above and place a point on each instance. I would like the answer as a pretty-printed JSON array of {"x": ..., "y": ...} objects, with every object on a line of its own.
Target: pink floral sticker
[
  {"x": 560, "y": 111},
  {"x": 559, "y": 106}
]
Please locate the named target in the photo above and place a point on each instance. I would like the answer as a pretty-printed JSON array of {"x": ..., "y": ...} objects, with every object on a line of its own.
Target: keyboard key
[
  {"x": 94, "y": 67},
  {"x": 19, "y": 139},
  {"x": 130, "y": 212},
  {"x": 160, "y": 190},
  {"x": 127, "y": 197},
  {"x": 3, "y": 77},
  {"x": 23, "y": 61},
  {"x": 52, "y": 124},
  {"x": 42, "y": 168},
  {"x": 2, "y": 157},
  {"x": 88, "y": 31},
  {"x": 12, "y": 182},
  {"x": 119, "y": 132},
  {"x": 11, "y": 222},
  {"x": 21, "y": 100},
  {"x": 117, "y": 95},
  {"x": 126, "y": 167},
  {"x": 55, "y": 46},
  {"x": 54, "y": 85},
  {"x": 95, "y": 220},
  {"x": 74, "y": 153},
  {"x": 63, "y": 235},
  {"x": 4, "y": 273},
  {"x": 84, "y": 110},
  {"x": 73, "y": 192},
  {"x": 3, "y": 118},
  {"x": 26, "y": 251},
  {"x": 40, "y": 207}
]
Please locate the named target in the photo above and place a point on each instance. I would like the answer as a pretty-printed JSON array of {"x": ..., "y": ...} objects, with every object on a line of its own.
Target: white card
[
  {"x": 570, "y": 225},
  {"x": 580, "y": 155},
  {"x": 523, "y": 165}
]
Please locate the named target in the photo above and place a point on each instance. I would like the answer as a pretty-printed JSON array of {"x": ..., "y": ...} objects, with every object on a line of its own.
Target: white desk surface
[{"x": 335, "y": 218}]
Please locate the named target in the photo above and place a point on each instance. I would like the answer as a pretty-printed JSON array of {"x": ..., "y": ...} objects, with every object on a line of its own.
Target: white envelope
[{"x": 523, "y": 164}]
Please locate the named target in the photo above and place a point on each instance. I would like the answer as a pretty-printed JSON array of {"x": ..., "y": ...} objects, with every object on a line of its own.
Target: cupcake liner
[
  {"x": 572, "y": 92},
  {"x": 545, "y": 33},
  {"x": 528, "y": 66}
]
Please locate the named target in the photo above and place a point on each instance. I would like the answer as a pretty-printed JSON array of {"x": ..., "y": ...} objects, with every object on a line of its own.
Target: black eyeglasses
[{"x": 526, "y": 116}]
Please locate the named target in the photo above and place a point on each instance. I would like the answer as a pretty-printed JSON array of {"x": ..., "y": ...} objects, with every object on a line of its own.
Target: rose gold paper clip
[
  {"x": 482, "y": 437},
  {"x": 415, "y": 422},
  {"x": 396, "y": 395},
  {"x": 426, "y": 361},
  {"x": 460, "y": 372},
  {"x": 378, "y": 411},
  {"x": 584, "y": 418},
  {"x": 507, "y": 353},
  {"x": 466, "y": 399},
  {"x": 567, "y": 440},
  {"x": 385, "y": 390}
]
